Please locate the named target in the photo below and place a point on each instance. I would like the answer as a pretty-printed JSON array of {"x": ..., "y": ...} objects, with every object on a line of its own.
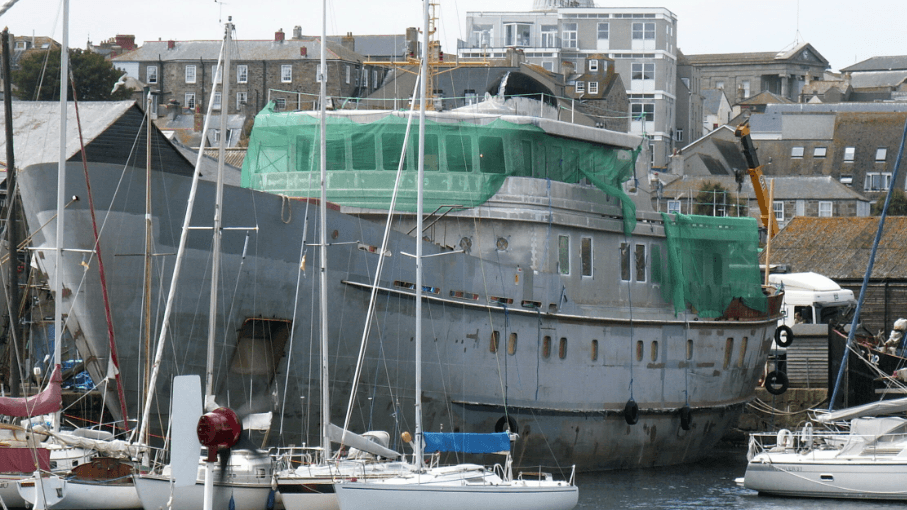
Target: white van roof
[{"x": 805, "y": 281}]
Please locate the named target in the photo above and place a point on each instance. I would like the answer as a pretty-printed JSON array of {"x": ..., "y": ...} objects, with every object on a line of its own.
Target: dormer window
[{"x": 593, "y": 65}]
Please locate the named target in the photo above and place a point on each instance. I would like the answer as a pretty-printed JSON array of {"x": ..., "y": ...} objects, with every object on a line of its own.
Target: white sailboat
[
  {"x": 245, "y": 477},
  {"x": 462, "y": 485}
]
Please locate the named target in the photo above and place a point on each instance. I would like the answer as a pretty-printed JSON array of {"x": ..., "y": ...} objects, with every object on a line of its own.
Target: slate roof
[
  {"x": 289, "y": 49},
  {"x": 766, "y": 57},
  {"x": 711, "y": 100},
  {"x": 839, "y": 248},
  {"x": 765, "y": 97},
  {"x": 874, "y": 79},
  {"x": 879, "y": 64},
  {"x": 786, "y": 188},
  {"x": 375, "y": 45}
]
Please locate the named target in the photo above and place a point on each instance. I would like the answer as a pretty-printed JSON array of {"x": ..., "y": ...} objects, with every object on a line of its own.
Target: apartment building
[{"x": 567, "y": 36}]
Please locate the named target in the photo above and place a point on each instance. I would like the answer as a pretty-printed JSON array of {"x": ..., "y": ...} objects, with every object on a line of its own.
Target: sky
[{"x": 844, "y": 33}]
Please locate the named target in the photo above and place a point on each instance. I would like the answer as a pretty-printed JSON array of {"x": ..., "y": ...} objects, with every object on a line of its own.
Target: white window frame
[
  {"x": 242, "y": 73},
  {"x": 642, "y": 77},
  {"x": 365, "y": 78},
  {"x": 218, "y": 100},
  {"x": 849, "y": 154},
  {"x": 280, "y": 104},
  {"x": 582, "y": 269},
  {"x": 778, "y": 208},
  {"x": 218, "y": 76},
  {"x": 242, "y": 98},
  {"x": 593, "y": 65},
  {"x": 877, "y": 181},
  {"x": 673, "y": 206},
  {"x": 796, "y": 152},
  {"x": 568, "y": 34},
  {"x": 151, "y": 74},
  {"x": 881, "y": 154},
  {"x": 190, "y": 100},
  {"x": 190, "y": 73},
  {"x": 318, "y": 74},
  {"x": 603, "y": 31},
  {"x": 642, "y": 36},
  {"x": 593, "y": 87},
  {"x": 286, "y": 73},
  {"x": 580, "y": 87},
  {"x": 348, "y": 73},
  {"x": 826, "y": 209},
  {"x": 820, "y": 152},
  {"x": 678, "y": 135},
  {"x": 549, "y": 36},
  {"x": 374, "y": 78},
  {"x": 517, "y": 34}
]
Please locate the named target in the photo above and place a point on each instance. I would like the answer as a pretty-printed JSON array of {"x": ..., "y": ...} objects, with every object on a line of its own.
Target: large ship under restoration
[{"x": 557, "y": 302}]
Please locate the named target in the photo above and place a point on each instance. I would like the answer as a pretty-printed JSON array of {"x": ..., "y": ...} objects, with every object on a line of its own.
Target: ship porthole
[{"x": 499, "y": 426}]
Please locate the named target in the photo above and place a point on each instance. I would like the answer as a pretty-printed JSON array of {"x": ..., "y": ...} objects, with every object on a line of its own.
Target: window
[
  {"x": 190, "y": 100},
  {"x": 819, "y": 152},
  {"x": 586, "y": 255},
  {"x": 876, "y": 181},
  {"x": 470, "y": 97},
  {"x": 654, "y": 351},
  {"x": 881, "y": 154},
  {"x": 640, "y": 262},
  {"x": 580, "y": 87},
  {"x": 643, "y": 112},
  {"x": 639, "y": 349},
  {"x": 673, "y": 206},
  {"x": 286, "y": 73},
  {"x": 318, "y": 75},
  {"x": 347, "y": 74},
  {"x": 643, "y": 31},
  {"x": 847, "y": 180},
  {"x": 779, "y": 210},
  {"x": 825, "y": 210},
  {"x": 190, "y": 74},
  {"x": 217, "y": 99},
  {"x": 593, "y": 65},
  {"x": 728, "y": 352},
  {"x": 686, "y": 82},
  {"x": 511, "y": 344},
  {"x": 516, "y": 34},
  {"x": 216, "y": 135},
  {"x": 495, "y": 340},
  {"x": 365, "y": 79},
  {"x": 594, "y": 351},
  {"x": 719, "y": 85},
  {"x": 151, "y": 74},
  {"x": 678, "y": 135},
  {"x": 280, "y": 104},
  {"x": 375, "y": 78},
  {"x": 569, "y": 35},
  {"x": 562, "y": 348},
  {"x": 546, "y": 347},
  {"x": 593, "y": 87},
  {"x": 603, "y": 31},
  {"x": 642, "y": 77},
  {"x": 481, "y": 35},
  {"x": 218, "y": 75},
  {"x": 689, "y": 350},
  {"x": 563, "y": 254},
  {"x": 796, "y": 152},
  {"x": 548, "y": 65},
  {"x": 549, "y": 36},
  {"x": 745, "y": 85},
  {"x": 849, "y": 153},
  {"x": 242, "y": 73},
  {"x": 625, "y": 262},
  {"x": 241, "y": 99}
]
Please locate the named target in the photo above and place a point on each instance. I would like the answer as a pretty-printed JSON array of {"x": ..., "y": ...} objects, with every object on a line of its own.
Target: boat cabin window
[
  {"x": 303, "y": 154},
  {"x": 363, "y": 151},
  {"x": 654, "y": 351},
  {"x": 563, "y": 254},
  {"x": 728, "y": 352},
  {"x": 742, "y": 358},
  {"x": 432, "y": 155},
  {"x": 594, "y": 352},
  {"x": 689, "y": 349},
  {"x": 554, "y": 162},
  {"x": 391, "y": 148},
  {"x": 336, "y": 154},
  {"x": 495, "y": 340},
  {"x": 586, "y": 255},
  {"x": 511, "y": 344},
  {"x": 491, "y": 155},
  {"x": 562, "y": 348},
  {"x": 803, "y": 315},
  {"x": 459, "y": 153},
  {"x": 639, "y": 349},
  {"x": 640, "y": 262},
  {"x": 546, "y": 347},
  {"x": 526, "y": 155}
]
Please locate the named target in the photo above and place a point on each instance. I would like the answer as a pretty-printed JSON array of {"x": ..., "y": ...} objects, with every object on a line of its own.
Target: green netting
[
  {"x": 710, "y": 261},
  {"x": 465, "y": 163}
]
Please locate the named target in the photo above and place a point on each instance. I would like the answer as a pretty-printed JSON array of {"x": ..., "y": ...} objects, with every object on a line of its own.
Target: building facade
[{"x": 561, "y": 36}]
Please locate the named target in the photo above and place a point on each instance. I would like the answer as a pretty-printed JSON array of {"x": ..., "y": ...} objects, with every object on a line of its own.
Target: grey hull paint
[{"x": 567, "y": 405}]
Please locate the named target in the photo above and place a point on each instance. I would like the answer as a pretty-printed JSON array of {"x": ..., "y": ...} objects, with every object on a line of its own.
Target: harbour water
[{"x": 708, "y": 484}]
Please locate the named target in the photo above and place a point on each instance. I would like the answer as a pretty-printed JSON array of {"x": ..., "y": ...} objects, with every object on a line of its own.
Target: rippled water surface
[{"x": 708, "y": 484}]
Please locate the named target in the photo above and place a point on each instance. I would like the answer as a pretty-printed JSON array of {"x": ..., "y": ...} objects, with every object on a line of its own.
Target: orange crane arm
[{"x": 754, "y": 169}]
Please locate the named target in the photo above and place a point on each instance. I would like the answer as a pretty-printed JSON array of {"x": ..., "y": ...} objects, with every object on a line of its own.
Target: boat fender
[
  {"x": 509, "y": 421},
  {"x": 785, "y": 438},
  {"x": 631, "y": 412},
  {"x": 271, "y": 498},
  {"x": 686, "y": 417},
  {"x": 784, "y": 336},
  {"x": 776, "y": 382}
]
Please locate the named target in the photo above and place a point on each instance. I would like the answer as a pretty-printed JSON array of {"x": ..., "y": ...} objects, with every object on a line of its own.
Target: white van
[{"x": 810, "y": 298}]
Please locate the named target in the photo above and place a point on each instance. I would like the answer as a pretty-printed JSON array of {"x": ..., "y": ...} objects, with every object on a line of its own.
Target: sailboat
[
  {"x": 461, "y": 485},
  {"x": 245, "y": 477}
]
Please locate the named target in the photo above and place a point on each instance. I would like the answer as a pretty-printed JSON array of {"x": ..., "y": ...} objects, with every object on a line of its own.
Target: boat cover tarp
[
  {"x": 466, "y": 162},
  {"x": 48, "y": 401},
  {"x": 710, "y": 261},
  {"x": 883, "y": 407},
  {"x": 24, "y": 460},
  {"x": 462, "y": 442}
]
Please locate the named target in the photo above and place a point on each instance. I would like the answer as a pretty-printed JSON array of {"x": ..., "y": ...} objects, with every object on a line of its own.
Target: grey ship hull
[{"x": 569, "y": 355}]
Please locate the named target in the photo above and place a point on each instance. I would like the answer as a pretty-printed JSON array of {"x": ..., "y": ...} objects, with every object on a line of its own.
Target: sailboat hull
[
  {"x": 454, "y": 497},
  {"x": 507, "y": 341}
]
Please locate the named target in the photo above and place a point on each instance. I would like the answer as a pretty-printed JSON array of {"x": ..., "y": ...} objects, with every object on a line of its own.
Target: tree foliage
[
  {"x": 714, "y": 200},
  {"x": 38, "y": 77},
  {"x": 897, "y": 207}
]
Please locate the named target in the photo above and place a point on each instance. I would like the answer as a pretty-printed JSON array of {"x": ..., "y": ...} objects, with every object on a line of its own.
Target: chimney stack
[
  {"x": 171, "y": 44},
  {"x": 279, "y": 36},
  {"x": 303, "y": 51},
  {"x": 297, "y": 32},
  {"x": 348, "y": 41}
]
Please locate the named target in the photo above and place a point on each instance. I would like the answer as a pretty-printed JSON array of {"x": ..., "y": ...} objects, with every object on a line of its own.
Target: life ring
[
  {"x": 776, "y": 382},
  {"x": 786, "y": 339},
  {"x": 686, "y": 417},
  {"x": 631, "y": 412},
  {"x": 499, "y": 426},
  {"x": 785, "y": 439}
]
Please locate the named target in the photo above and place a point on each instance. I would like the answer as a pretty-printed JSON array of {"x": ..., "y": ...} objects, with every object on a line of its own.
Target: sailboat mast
[
  {"x": 423, "y": 77},
  {"x": 218, "y": 220},
  {"x": 61, "y": 192},
  {"x": 322, "y": 212},
  {"x": 146, "y": 302}
]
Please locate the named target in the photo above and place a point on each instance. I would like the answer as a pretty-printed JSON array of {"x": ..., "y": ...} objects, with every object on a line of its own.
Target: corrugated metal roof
[
  {"x": 879, "y": 64},
  {"x": 36, "y": 125},
  {"x": 839, "y": 248},
  {"x": 288, "y": 49}
]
